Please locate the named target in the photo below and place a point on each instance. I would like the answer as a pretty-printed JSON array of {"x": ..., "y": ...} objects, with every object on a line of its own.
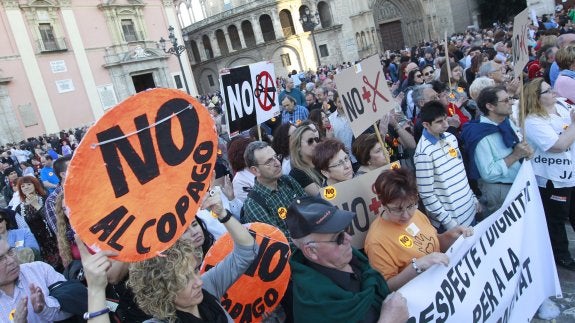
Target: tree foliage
[{"x": 499, "y": 10}]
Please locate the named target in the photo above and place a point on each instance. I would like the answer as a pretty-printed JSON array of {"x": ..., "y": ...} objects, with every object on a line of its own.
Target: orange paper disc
[
  {"x": 260, "y": 289},
  {"x": 136, "y": 180}
]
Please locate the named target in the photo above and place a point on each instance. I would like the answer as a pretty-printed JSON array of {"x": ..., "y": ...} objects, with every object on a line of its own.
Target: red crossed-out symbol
[
  {"x": 265, "y": 91},
  {"x": 366, "y": 95}
]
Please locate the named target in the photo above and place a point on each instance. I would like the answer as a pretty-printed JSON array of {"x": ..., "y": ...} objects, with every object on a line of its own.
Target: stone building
[
  {"x": 63, "y": 63},
  {"x": 229, "y": 33}
]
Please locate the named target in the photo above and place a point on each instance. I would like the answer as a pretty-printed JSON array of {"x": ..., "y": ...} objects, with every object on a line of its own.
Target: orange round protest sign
[
  {"x": 260, "y": 289},
  {"x": 136, "y": 180}
]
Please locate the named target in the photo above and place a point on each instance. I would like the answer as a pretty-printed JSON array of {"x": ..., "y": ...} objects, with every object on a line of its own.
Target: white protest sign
[
  {"x": 364, "y": 94},
  {"x": 500, "y": 274},
  {"x": 358, "y": 196},
  {"x": 520, "y": 41},
  {"x": 250, "y": 95}
]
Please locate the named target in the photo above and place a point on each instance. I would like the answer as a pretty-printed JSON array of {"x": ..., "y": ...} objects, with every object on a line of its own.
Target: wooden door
[{"x": 391, "y": 35}]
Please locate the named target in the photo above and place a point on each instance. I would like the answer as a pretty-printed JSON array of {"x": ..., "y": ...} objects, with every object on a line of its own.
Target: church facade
[{"x": 230, "y": 33}]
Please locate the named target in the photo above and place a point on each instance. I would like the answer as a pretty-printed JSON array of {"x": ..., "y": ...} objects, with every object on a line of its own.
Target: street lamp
[
  {"x": 309, "y": 22},
  {"x": 177, "y": 50}
]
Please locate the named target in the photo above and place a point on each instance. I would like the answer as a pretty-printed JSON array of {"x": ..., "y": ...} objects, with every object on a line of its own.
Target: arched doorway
[
  {"x": 400, "y": 23},
  {"x": 287, "y": 23}
]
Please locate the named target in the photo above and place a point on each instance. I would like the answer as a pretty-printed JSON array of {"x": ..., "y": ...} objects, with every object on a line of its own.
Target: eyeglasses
[
  {"x": 339, "y": 239},
  {"x": 271, "y": 161},
  {"x": 546, "y": 91},
  {"x": 505, "y": 100},
  {"x": 4, "y": 258},
  {"x": 428, "y": 73},
  {"x": 399, "y": 210},
  {"x": 341, "y": 162},
  {"x": 310, "y": 141}
]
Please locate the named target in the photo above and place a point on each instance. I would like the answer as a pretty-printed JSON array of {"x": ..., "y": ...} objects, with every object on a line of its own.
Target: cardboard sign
[
  {"x": 520, "y": 41},
  {"x": 358, "y": 195},
  {"x": 260, "y": 289},
  {"x": 139, "y": 174},
  {"x": 364, "y": 94},
  {"x": 500, "y": 274},
  {"x": 250, "y": 96}
]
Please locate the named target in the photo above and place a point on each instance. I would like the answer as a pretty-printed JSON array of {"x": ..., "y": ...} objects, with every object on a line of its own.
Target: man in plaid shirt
[{"x": 272, "y": 192}]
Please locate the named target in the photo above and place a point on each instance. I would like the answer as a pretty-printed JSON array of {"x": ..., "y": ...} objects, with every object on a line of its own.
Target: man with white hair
[{"x": 333, "y": 282}]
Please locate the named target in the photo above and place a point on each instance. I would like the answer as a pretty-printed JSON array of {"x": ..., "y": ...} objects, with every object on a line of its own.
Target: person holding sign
[
  {"x": 402, "y": 243},
  {"x": 332, "y": 282},
  {"x": 551, "y": 133},
  {"x": 169, "y": 287}
]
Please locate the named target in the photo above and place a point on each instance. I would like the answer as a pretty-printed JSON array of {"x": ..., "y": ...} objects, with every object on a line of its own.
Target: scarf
[
  {"x": 314, "y": 293},
  {"x": 474, "y": 131},
  {"x": 210, "y": 311}
]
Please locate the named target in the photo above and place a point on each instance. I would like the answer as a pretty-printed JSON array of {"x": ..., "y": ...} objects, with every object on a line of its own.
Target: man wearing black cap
[{"x": 332, "y": 282}]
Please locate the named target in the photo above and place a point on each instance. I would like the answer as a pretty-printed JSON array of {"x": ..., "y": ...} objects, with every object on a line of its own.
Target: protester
[
  {"x": 441, "y": 178},
  {"x": 303, "y": 142},
  {"x": 47, "y": 176},
  {"x": 60, "y": 167},
  {"x": 292, "y": 112},
  {"x": 552, "y": 136},
  {"x": 342, "y": 126},
  {"x": 332, "y": 281},
  {"x": 387, "y": 253},
  {"x": 27, "y": 248},
  {"x": 170, "y": 288},
  {"x": 320, "y": 118},
  {"x": 494, "y": 148},
  {"x": 369, "y": 153},
  {"x": 565, "y": 84},
  {"x": 243, "y": 180},
  {"x": 280, "y": 144},
  {"x": 293, "y": 92},
  {"x": 24, "y": 293},
  {"x": 33, "y": 210},
  {"x": 272, "y": 190},
  {"x": 333, "y": 161}
]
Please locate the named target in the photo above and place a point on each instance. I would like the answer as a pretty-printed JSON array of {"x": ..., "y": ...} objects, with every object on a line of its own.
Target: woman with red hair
[{"x": 32, "y": 208}]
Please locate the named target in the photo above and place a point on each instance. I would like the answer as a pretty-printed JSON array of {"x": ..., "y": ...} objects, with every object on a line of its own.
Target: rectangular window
[
  {"x": 129, "y": 30},
  {"x": 286, "y": 61},
  {"x": 178, "y": 81},
  {"x": 323, "y": 50},
  {"x": 47, "y": 35},
  {"x": 211, "y": 80}
]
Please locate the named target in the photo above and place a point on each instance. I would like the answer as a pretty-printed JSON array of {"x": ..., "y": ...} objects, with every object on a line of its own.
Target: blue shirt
[
  {"x": 47, "y": 175},
  {"x": 553, "y": 73},
  {"x": 299, "y": 113},
  {"x": 22, "y": 238},
  {"x": 490, "y": 156},
  {"x": 295, "y": 93}
]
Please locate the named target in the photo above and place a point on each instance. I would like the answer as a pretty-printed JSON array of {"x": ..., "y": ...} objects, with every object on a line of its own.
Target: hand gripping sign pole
[{"x": 138, "y": 177}]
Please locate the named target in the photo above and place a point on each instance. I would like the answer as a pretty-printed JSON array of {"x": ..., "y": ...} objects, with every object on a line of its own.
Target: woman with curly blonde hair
[{"x": 169, "y": 287}]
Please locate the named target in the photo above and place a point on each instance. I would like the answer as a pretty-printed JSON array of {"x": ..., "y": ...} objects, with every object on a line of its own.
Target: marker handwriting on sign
[{"x": 112, "y": 227}]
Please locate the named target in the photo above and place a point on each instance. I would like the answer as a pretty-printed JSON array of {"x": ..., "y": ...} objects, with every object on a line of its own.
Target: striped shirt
[{"x": 442, "y": 181}]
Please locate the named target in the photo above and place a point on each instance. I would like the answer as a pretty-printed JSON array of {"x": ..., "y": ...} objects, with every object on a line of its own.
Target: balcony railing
[{"x": 53, "y": 45}]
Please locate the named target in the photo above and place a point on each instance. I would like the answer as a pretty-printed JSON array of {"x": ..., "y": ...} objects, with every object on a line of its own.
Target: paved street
[{"x": 567, "y": 278}]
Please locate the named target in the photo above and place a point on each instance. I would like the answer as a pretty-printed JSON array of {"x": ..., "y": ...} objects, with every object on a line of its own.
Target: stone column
[
  {"x": 278, "y": 30},
  {"x": 214, "y": 43},
  {"x": 297, "y": 25},
  {"x": 257, "y": 29},
  {"x": 241, "y": 34},
  {"x": 230, "y": 45}
]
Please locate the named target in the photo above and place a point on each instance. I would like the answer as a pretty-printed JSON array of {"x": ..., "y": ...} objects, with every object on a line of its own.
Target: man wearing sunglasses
[
  {"x": 332, "y": 282},
  {"x": 494, "y": 148}
]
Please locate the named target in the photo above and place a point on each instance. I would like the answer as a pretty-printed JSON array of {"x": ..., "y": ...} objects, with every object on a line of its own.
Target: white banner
[{"x": 500, "y": 274}]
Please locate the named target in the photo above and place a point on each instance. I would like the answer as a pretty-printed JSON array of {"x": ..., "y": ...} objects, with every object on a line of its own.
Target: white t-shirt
[{"x": 542, "y": 134}]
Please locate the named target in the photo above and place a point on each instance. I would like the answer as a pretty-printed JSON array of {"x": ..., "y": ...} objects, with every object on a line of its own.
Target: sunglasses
[
  {"x": 339, "y": 238},
  {"x": 428, "y": 73},
  {"x": 310, "y": 141},
  {"x": 418, "y": 75}
]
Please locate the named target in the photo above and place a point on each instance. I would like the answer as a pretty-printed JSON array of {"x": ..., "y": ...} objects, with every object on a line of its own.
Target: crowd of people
[{"x": 458, "y": 131}]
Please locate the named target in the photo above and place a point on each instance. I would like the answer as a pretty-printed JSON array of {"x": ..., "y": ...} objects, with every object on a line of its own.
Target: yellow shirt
[{"x": 391, "y": 246}]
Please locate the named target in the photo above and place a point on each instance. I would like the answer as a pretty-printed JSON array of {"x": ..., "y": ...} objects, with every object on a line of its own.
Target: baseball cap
[{"x": 312, "y": 214}]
